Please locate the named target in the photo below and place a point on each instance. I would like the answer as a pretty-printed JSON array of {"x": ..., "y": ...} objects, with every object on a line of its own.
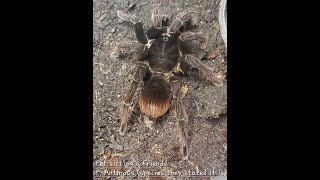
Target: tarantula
[{"x": 164, "y": 58}]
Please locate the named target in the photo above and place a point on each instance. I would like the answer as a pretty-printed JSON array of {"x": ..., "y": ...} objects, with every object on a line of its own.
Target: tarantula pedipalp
[{"x": 166, "y": 55}]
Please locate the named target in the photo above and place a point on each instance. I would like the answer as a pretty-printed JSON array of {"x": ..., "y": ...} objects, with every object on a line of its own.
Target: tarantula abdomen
[{"x": 155, "y": 99}]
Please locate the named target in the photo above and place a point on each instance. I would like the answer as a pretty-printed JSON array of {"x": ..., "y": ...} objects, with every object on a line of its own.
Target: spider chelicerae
[{"x": 165, "y": 56}]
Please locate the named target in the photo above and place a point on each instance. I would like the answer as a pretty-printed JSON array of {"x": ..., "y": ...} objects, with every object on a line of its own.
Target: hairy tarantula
[{"x": 166, "y": 56}]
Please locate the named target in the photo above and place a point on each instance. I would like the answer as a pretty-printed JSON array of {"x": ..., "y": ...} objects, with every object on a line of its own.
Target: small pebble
[
  {"x": 113, "y": 29},
  {"x": 203, "y": 45}
]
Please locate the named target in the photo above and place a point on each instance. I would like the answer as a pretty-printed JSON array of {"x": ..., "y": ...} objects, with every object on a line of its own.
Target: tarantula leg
[
  {"x": 156, "y": 16},
  {"x": 154, "y": 32},
  {"x": 189, "y": 42},
  {"x": 188, "y": 62},
  {"x": 126, "y": 111},
  {"x": 138, "y": 26},
  {"x": 182, "y": 21},
  {"x": 189, "y": 36},
  {"x": 142, "y": 56},
  {"x": 127, "y": 15},
  {"x": 140, "y": 35},
  {"x": 181, "y": 115}
]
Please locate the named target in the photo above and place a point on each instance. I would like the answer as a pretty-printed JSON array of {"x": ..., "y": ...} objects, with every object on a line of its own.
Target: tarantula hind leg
[
  {"x": 126, "y": 111},
  {"x": 188, "y": 62},
  {"x": 181, "y": 115},
  {"x": 127, "y": 15}
]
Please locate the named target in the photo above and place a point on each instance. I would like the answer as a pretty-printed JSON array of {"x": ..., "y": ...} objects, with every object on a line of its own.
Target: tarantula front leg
[
  {"x": 181, "y": 115},
  {"x": 126, "y": 111},
  {"x": 138, "y": 26},
  {"x": 188, "y": 62},
  {"x": 182, "y": 20},
  {"x": 156, "y": 16},
  {"x": 156, "y": 19}
]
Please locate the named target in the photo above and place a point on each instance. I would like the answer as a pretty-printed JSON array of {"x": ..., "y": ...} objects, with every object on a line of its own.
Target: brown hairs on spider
[{"x": 155, "y": 98}]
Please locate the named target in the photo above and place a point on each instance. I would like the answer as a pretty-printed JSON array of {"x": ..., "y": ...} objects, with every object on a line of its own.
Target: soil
[{"x": 155, "y": 151}]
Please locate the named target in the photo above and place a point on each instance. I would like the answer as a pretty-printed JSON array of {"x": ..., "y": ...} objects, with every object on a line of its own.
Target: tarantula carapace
[{"x": 165, "y": 56}]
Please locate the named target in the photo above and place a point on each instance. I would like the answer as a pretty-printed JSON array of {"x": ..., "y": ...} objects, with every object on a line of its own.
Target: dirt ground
[{"x": 112, "y": 75}]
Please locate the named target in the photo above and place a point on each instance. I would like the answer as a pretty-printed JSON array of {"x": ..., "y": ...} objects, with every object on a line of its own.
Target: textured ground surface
[{"x": 207, "y": 128}]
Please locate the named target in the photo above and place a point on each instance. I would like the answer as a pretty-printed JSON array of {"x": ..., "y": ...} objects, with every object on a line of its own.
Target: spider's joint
[
  {"x": 150, "y": 41},
  {"x": 178, "y": 69}
]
